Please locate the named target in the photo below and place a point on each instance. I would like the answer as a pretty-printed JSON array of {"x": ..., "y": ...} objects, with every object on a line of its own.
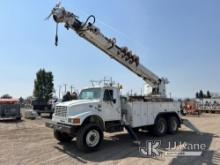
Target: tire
[
  {"x": 173, "y": 125},
  {"x": 51, "y": 115},
  {"x": 160, "y": 127},
  {"x": 18, "y": 118},
  {"x": 62, "y": 137},
  {"x": 39, "y": 114},
  {"x": 89, "y": 137}
]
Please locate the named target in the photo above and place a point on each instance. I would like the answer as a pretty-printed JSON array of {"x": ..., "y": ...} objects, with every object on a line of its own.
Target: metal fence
[{"x": 209, "y": 107}]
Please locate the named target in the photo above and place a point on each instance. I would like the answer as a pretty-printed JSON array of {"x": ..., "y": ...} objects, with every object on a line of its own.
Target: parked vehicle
[
  {"x": 211, "y": 105},
  {"x": 10, "y": 109},
  {"x": 102, "y": 108},
  {"x": 41, "y": 106}
]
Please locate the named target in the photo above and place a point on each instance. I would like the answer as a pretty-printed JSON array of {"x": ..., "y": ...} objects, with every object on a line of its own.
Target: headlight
[{"x": 74, "y": 120}]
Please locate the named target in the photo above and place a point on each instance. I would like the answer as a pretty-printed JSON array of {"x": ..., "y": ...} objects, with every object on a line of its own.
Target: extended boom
[{"x": 123, "y": 55}]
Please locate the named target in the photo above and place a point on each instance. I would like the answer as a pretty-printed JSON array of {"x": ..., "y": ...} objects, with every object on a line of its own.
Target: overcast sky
[{"x": 176, "y": 39}]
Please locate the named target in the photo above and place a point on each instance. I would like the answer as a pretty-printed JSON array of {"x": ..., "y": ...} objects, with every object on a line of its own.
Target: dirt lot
[{"x": 30, "y": 142}]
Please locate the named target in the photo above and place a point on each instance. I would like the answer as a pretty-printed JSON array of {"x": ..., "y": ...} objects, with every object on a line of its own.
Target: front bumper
[
  {"x": 44, "y": 111},
  {"x": 61, "y": 127}
]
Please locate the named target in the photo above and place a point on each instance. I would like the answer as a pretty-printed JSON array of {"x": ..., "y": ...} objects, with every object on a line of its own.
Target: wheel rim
[
  {"x": 161, "y": 127},
  {"x": 92, "y": 138}
]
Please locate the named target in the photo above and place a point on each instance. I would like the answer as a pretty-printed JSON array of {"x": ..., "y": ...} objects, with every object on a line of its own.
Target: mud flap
[{"x": 191, "y": 126}]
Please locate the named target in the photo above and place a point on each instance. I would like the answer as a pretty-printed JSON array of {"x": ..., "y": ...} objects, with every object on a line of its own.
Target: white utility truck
[{"x": 101, "y": 108}]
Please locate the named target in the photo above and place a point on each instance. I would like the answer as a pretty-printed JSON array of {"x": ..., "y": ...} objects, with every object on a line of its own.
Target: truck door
[{"x": 111, "y": 105}]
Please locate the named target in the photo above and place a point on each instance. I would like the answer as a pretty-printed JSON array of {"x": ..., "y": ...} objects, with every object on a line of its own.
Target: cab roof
[{"x": 8, "y": 101}]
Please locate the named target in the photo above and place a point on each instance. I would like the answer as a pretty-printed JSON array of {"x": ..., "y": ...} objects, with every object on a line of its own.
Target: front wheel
[{"x": 89, "y": 137}]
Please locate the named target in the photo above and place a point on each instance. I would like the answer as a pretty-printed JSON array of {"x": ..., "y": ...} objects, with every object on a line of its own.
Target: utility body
[{"x": 101, "y": 108}]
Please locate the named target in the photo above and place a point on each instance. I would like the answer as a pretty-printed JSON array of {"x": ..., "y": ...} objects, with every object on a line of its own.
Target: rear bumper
[
  {"x": 61, "y": 127},
  {"x": 10, "y": 118}
]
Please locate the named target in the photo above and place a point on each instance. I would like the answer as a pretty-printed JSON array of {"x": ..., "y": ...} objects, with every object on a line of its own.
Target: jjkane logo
[{"x": 152, "y": 149}]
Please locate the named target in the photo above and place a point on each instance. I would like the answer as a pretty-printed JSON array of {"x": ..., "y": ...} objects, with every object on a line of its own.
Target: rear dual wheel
[
  {"x": 173, "y": 125},
  {"x": 160, "y": 127},
  {"x": 163, "y": 126}
]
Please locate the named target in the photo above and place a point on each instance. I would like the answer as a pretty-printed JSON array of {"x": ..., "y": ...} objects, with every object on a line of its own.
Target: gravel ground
[{"x": 29, "y": 142}]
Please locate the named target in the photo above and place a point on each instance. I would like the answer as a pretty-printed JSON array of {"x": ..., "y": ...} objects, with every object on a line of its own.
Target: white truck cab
[{"x": 103, "y": 102}]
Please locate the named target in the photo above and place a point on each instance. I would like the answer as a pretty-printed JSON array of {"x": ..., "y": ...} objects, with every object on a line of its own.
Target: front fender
[{"x": 83, "y": 116}]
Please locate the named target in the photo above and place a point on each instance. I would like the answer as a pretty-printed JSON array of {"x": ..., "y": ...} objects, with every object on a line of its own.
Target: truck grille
[{"x": 61, "y": 111}]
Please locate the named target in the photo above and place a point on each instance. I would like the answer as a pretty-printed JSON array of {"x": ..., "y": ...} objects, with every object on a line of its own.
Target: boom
[{"x": 123, "y": 55}]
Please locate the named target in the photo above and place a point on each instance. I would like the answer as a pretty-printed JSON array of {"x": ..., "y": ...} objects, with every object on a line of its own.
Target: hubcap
[{"x": 92, "y": 138}]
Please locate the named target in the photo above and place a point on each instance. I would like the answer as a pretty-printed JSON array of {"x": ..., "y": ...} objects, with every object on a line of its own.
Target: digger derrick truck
[{"x": 101, "y": 108}]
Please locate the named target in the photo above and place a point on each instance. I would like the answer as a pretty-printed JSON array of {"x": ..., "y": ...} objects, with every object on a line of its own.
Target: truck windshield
[{"x": 92, "y": 93}]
